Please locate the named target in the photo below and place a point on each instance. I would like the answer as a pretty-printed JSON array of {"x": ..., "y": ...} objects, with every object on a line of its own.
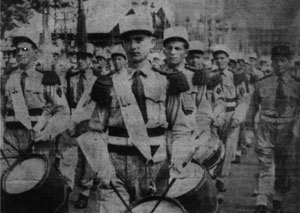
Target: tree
[{"x": 17, "y": 12}]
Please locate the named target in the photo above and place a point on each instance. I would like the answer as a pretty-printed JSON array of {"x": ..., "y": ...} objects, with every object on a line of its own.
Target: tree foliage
[{"x": 16, "y": 12}]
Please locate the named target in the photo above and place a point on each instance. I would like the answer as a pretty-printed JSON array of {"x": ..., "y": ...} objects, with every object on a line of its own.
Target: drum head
[
  {"x": 24, "y": 175},
  {"x": 194, "y": 175},
  {"x": 166, "y": 205}
]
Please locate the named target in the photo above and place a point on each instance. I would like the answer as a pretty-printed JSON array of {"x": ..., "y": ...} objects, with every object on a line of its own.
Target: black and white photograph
[{"x": 150, "y": 106}]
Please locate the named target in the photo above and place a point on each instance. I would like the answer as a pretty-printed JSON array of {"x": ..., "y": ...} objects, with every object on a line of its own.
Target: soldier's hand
[
  {"x": 235, "y": 123},
  {"x": 42, "y": 136},
  {"x": 176, "y": 171},
  {"x": 196, "y": 134},
  {"x": 219, "y": 122}
]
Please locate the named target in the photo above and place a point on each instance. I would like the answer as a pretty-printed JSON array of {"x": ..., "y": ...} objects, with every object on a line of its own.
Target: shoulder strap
[{"x": 136, "y": 127}]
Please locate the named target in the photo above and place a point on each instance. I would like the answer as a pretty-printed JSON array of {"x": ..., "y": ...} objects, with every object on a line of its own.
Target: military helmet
[
  {"x": 25, "y": 35},
  {"x": 221, "y": 48},
  {"x": 196, "y": 47},
  {"x": 136, "y": 23},
  {"x": 176, "y": 33},
  {"x": 118, "y": 50}
]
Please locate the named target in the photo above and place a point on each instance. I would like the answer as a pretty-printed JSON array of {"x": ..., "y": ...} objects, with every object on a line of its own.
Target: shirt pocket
[
  {"x": 154, "y": 102},
  {"x": 267, "y": 97},
  {"x": 188, "y": 102},
  {"x": 35, "y": 97}
]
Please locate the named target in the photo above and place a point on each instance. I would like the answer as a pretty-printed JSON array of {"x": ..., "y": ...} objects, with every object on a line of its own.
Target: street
[{"x": 239, "y": 195}]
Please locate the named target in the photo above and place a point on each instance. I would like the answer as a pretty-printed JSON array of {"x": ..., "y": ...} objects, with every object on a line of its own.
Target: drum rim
[
  {"x": 156, "y": 197},
  {"x": 23, "y": 158},
  {"x": 200, "y": 183},
  {"x": 217, "y": 155}
]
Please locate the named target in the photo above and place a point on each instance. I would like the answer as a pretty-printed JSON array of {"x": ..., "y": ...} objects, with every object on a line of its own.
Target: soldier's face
[
  {"x": 118, "y": 62},
  {"x": 195, "y": 60},
  {"x": 252, "y": 62},
  {"x": 232, "y": 65},
  {"x": 280, "y": 64},
  {"x": 101, "y": 61},
  {"x": 25, "y": 53},
  {"x": 82, "y": 63},
  {"x": 138, "y": 46},
  {"x": 175, "y": 52},
  {"x": 222, "y": 60}
]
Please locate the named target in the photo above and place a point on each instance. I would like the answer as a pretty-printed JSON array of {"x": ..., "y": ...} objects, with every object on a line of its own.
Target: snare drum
[
  {"x": 32, "y": 185},
  {"x": 211, "y": 153},
  {"x": 146, "y": 205},
  {"x": 196, "y": 192}
]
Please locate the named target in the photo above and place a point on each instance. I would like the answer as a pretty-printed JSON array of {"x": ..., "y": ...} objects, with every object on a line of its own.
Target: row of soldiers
[{"x": 145, "y": 122}]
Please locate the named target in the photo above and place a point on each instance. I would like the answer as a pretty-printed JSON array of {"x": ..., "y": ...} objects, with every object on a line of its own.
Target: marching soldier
[
  {"x": 188, "y": 111},
  {"x": 195, "y": 63},
  {"x": 79, "y": 86},
  {"x": 34, "y": 106},
  {"x": 234, "y": 89},
  {"x": 131, "y": 107},
  {"x": 119, "y": 59},
  {"x": 100, "y": 67},
  {"x": 279, "y": 100}
]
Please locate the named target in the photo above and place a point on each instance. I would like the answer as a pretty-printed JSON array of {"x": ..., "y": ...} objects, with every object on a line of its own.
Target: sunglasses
[{"x": 24, "y": 49}]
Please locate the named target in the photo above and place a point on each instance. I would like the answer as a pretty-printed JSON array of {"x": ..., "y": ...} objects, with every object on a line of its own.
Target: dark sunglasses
[{"x": 24, "y": 49}]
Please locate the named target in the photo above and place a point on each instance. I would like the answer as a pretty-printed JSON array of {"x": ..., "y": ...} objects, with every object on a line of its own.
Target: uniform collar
[
  {"x": 225, "y": 72},
  {"x": 181, "y": 67},
  {"x": 146, "y": 69},
  {"x": 285, "y": 77}
]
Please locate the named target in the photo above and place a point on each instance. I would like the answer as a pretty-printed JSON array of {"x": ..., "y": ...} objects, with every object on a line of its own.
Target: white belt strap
[
  {"x": 132, "y": 115},
  {"x": 230, "y": 104},
  {"x": 18, "y": 101},
  {"x": 277, "y": 120}
]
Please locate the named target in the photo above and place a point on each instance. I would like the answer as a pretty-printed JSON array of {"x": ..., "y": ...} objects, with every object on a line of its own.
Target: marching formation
[{"x": 152, "y": 131}]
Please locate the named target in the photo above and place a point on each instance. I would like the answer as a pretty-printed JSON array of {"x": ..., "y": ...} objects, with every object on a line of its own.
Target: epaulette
[
  {"x": 200, "y": 76},
  {"x": 214, "y": 81},
  {"x": 265, "y": 77},
  {"x": 239, "y": 78},
  {"x": 161, "y": 71},
  {"x": 50, "y": 78},
  {"x": 101, "y": 90},
  {"x": 191, "y": 68}
]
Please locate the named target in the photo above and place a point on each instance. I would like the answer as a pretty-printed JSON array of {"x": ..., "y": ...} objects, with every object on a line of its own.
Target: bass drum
[
  {"x": 196, "y": 191},
  {"x": 146, "y": 205},
  {"x": 33, "y": 185}
]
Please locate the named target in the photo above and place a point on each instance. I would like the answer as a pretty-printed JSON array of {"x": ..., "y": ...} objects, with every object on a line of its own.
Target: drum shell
[
  {"x": 215, "y": 158},
  {"x": 49, "y": 195},
  {"x": 178, "y": 206},
  {"x": 196, "y": 191},
  {"x": 202, "y": 199}
]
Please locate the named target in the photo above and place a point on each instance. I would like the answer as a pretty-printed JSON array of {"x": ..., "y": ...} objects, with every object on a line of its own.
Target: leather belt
[
  {"x": 128, "y": 150},
  {"x": 32, "y": 112},
  {"x": 277, "y": 120},
  {"x": 122, "y": 132},
  {"x": 17, "y": 125},
  {"x": 230, "y": 109}
]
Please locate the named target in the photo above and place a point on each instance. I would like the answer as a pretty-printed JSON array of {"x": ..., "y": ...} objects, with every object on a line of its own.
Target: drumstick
[
  {"x": 120, "y": 196},
  {"x": 184, "y": 164},
  {"x": 5, "y": 158},
  {"x": 10, "y": 144}
]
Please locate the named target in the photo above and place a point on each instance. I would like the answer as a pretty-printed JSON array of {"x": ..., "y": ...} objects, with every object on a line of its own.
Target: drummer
[
  {"x": 184, "y": 105},
  {"x": 136, "y": 131},
  {"x": 34, "y": 105}
]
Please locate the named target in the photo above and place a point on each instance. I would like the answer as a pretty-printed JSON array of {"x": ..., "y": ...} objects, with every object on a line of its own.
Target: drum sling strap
[
  {"x": 132, "y": 115},
  {"x": 85, "y": 106},
  {"x": 18, "y": 100}
]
